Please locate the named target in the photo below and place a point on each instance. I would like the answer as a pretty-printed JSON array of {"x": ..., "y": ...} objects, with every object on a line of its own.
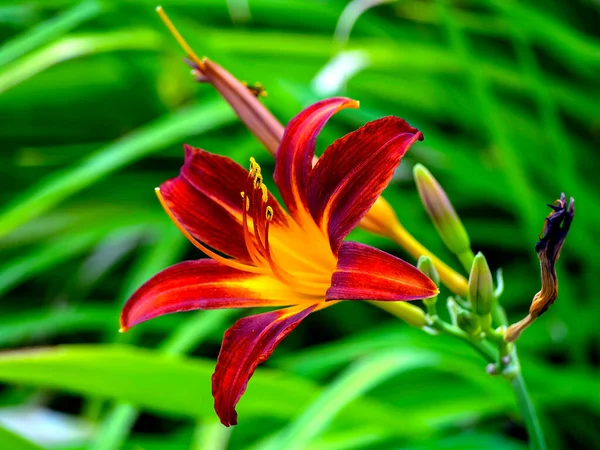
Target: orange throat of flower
[{"x": 285, "y": 252}]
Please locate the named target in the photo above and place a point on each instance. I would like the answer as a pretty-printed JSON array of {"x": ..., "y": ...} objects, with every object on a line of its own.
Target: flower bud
[
  {"x": 425, "y": 265},
  {"x": 411, "y": 314},
  {"x": 481, "y": 286},
  {"x": 551, "y": 240},
  {"x": 441, "y": 212},
  {"x": 259, "y": 120}
]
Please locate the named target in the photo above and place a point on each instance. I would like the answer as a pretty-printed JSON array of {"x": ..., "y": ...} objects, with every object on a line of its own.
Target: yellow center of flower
[
  {"x": 257, "y": 216},
  {"x": 295, "y": 255}
]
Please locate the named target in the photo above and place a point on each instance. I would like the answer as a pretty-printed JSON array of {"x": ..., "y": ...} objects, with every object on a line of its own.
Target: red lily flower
[{"x": 275, "y": 258}]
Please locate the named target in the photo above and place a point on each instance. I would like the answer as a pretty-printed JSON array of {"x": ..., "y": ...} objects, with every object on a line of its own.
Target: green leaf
[
  {"x": 172, "y": 385},
  {"x": 148, "y": 139},
  {"x": 48, "y": 30},
  {"x": 359, "y": 378},
  {"x": 12, "y": 441}
]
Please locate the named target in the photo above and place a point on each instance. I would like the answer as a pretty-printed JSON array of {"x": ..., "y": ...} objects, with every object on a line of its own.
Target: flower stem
[
  {"x": 534, "y": 430},
  {"x": 481, "y": 347},
  {"x": 466, "y": 259}
]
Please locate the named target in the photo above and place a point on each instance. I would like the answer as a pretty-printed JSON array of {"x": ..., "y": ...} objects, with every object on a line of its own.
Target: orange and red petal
[
  {"x": 295, "y": 154},
  {"x": 366, "y": 273},
  {"x": 206, "y": 199},
  {"x": 354, "y": 171},
  {"x": 249, "y": 342},
  {"x": 205, "y": 284}
]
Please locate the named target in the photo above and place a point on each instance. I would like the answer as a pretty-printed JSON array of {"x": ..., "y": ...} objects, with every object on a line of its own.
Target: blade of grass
[
  {"x": 358, "y": 379},
  {"x": 75, "y": 47},
  {"x": 12, "y": 441},
  {"x": 48, "y": 30},
  {"x": 52, "y": 253},
  {"x": 211, "y": 436},
  {"x": 120, "y": 419},
  {"x": 178, "y": 387},
  {"x": 500, "y": 144},
  {"x": 146, "y": 140}
]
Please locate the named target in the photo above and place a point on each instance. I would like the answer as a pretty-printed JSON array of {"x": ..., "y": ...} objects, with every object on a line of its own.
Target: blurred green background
[{"x": 95, "y": 105}]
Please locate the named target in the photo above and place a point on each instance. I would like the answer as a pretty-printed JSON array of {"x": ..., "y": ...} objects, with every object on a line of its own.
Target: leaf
[
  {"x": 171, "y": 385},
  {"x": 12, "y": 441},
  {"x": 48, "y": 30},
  {"x": 356, "y": 380},
  {"x": 148, "y": 139}
]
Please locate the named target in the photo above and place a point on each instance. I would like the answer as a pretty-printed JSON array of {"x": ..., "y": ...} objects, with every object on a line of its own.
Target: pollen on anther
[
  {"x": 269, "y": 213},
  {"x": 247, "y": 204},
  {"x": 258, "y": 181},
  {"x": 265, "y": 193},
  {"x": 253, "y": 165}
]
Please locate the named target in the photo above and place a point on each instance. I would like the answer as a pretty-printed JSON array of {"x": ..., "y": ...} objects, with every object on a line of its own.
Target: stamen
[
  {"x": 253, "y": 251},
  {"x": 177, "y": 35},
  {"x": 225, "y": 261},
  {"x": 258, "y": 221},
  {"x": 265, "y": 193},
  {"x": 258, "y": 180}
]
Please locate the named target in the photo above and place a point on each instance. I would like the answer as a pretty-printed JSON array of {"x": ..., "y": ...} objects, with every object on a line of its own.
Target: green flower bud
[
  {"x": 441, "y": 212},
  {"x": 425, "y": 265},
  {"x": 481, "y": 286},
  {"x": 411, "y": 314}
]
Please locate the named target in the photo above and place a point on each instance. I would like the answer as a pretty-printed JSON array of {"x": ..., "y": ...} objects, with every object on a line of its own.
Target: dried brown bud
[{"x": 551, "y": 240}]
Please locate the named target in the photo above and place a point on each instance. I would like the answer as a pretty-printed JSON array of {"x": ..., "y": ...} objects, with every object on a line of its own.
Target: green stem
[
  {"x": 532, "y": 423},
  {"x": 482, "y": 348},
  {"x": 466, "y": 259}
]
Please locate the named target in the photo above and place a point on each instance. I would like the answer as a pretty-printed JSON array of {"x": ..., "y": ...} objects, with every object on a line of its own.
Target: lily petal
[
  {"x": 206, "y": 199},
  {"x": 294, "y": 157},
  {"x": 353, "y": 173},
  {"x": 249, "y": 342},
  {"x": 205, "y": 284},
  {"x": 366, "y": 273}
]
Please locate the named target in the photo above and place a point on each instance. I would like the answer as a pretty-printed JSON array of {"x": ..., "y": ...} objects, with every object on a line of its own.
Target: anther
[
  {"x": 269, "y": 213},
  {"x": 265, "y": 193},
  {"x": 253, "y": 166},
  {"x": 257, "y": 181}
]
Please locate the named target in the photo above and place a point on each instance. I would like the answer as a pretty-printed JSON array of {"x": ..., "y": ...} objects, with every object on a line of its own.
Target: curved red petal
[
  {"x": 249, "y": 342},
  {"x": 204, "y": 284},
  {"x": 295, "y": 154},
  {"x": 206, "y": 199},
  {"x": 354, "y": 171},
  {"x": 366, "y": 273}
]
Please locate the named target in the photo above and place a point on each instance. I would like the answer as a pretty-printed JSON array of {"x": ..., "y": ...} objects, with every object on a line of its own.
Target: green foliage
[{"x": 95, "y": 105}]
